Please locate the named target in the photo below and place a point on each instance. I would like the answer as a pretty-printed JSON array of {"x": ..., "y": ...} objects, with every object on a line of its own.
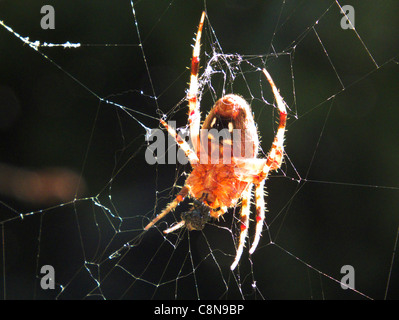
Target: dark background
[{"x": 334, "y": 203}]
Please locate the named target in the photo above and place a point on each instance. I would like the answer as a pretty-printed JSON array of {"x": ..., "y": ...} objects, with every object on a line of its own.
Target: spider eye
[{"x": 197, "y": 217}]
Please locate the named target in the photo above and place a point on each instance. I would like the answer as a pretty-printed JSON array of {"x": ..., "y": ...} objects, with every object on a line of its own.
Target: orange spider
[{"x": 215, "y": 187}]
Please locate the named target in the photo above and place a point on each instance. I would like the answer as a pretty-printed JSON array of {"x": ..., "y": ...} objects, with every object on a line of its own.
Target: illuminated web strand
[
  {"x": 358, "y": 36},
  {"x": 37, "y": 44}
]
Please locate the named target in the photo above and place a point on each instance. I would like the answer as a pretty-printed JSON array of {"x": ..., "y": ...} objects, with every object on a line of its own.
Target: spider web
[{"x": 79, "y": 102}]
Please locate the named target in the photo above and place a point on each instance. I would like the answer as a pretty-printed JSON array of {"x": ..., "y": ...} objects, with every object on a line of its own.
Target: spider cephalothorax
[{"x": 217, "y": 183}]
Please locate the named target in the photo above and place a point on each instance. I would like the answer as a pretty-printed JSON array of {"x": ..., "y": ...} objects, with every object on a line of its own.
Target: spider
[{"x": 215, "y": 187}]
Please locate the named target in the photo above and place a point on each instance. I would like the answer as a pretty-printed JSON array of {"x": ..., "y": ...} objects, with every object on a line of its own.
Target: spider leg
[
  {"x": 273, "y": 162},
  {"x": 194, "y": 120},
  {"x": 260, "y": 214},
  {"x": 179, "y": 198},
  {"x": 175, "y": 227},
  {"x": 194, "y": 116},
  {"x": 255, "y": 170},
  {"x": 276, "y": 153},
  {"x": 190, "y": 154},
  {"x": 245, "y": 206},
  {"x": 258, "y": 169}
]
